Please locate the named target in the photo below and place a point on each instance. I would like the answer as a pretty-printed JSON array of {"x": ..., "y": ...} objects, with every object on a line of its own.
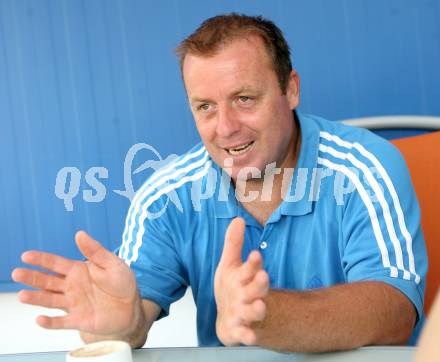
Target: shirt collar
[
  {"x": 302, "y": 177},
  {"x": 225, "y": 202}
]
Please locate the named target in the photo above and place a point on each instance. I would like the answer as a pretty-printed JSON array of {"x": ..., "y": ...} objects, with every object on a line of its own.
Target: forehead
[{"x": 240, "y": 60}]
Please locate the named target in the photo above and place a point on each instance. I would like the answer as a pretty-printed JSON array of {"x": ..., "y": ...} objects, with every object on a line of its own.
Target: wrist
[{"x": 136, "y": 331}]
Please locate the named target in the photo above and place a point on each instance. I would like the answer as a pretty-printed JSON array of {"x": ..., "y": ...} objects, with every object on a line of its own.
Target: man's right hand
[{"x": 99, "y": 296}]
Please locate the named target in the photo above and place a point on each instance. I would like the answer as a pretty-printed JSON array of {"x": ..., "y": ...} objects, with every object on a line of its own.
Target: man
[{"x": 324, "y": 269}]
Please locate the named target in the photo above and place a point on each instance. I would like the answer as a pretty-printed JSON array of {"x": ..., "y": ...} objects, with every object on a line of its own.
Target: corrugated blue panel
[{"x": 81, "y": 82}]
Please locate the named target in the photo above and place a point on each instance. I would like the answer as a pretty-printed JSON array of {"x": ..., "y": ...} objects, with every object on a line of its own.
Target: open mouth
[{"x": 240, "y": 149}]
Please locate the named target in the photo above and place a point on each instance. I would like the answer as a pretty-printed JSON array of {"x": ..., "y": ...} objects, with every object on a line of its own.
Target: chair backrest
[
  {"x": 422, "y": 155},
  {"x": 396, "y": 122}
]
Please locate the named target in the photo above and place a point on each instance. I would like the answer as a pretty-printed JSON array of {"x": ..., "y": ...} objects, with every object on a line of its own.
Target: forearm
[
  {"x": 145, "y": 313},
  {"x": 428, "y": 347},
  {"x": 342, "y": 317}
]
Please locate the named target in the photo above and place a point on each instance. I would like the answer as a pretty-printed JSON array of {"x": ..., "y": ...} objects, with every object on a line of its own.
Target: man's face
[{"x": 239, "y": 109}]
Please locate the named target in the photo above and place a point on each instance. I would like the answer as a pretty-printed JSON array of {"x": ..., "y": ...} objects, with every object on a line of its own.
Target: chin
[{"x": 240, "y": 175}]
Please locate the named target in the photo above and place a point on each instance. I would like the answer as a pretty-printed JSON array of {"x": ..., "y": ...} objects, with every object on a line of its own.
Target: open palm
[{"x": 98, "y": 295}]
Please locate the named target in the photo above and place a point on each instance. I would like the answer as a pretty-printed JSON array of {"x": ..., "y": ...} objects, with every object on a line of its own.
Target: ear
[{"x": 292, "y": 89}]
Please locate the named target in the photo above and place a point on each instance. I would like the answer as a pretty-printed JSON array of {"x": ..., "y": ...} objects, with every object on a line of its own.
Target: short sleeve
[
  {"x": 149, "y": 249},
  {"x": 381, "y": 227}
]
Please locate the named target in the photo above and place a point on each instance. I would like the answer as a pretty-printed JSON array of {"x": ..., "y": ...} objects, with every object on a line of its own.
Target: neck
[{"x": 274, "y": 182}]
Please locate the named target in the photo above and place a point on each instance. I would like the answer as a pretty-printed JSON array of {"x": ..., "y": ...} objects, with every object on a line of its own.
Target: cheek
[
  {"x": 281, "y": 117},
  {"x": 254, "y": 121},
  {"x": 259, "y": 122},
  {"x": 269, "y": 112},
  {"x": 206, "y": 131}
]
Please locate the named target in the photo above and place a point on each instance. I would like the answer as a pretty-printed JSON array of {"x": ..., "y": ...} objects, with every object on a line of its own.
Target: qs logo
[{"x": 68, "y": 180}]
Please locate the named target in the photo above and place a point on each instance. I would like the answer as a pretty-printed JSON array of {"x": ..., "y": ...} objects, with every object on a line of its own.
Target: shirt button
[{"x": 263, "y": 245}]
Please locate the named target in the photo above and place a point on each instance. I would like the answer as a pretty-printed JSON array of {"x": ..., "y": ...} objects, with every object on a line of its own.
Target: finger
[
  {"x": 37, "y": 279},
  {"x": 253, "y": 264},
  {"x": 51, "y": 262},
  {"x": 244, "y": 334},
  {"x": 254, "y": 312},
  {"x": 94, "y": 251},
  {"x": 233, "y": 244},
  {"x": 43, "y": 299},
  {"x": 258, "y": 288},
  {"x": 60, "y": 322}
]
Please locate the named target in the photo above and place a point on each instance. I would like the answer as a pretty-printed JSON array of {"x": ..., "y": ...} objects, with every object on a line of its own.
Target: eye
[
  {"x": 244, "y": 99},
  {"x": 203, "y": 107}
]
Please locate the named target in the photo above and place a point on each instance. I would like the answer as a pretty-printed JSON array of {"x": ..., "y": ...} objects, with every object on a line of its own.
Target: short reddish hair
[{"x": 219, "y": 30}]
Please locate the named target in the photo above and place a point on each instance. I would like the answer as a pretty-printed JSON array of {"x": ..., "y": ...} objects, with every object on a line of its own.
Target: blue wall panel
[{"x": 81, "y": 82}]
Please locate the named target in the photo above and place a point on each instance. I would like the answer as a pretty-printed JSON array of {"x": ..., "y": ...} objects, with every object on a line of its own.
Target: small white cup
[{"x": 105, "y": 351}]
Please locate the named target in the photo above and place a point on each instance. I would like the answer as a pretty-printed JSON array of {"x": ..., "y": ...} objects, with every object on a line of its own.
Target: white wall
[{"x": 19, "y": 333}]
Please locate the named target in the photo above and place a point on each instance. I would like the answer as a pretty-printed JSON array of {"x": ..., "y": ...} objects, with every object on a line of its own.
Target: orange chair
[{"x": 422, "y": 155}]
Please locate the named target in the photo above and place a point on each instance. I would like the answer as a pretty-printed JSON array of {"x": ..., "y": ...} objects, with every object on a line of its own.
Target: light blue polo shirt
[{"x": 350, "y": 215}]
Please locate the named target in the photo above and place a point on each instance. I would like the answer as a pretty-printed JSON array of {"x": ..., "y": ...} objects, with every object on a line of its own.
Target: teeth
[{"x": 241, "y": 149}]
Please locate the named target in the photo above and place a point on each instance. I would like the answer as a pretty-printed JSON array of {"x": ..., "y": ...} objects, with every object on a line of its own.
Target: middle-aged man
[{"x": 283, "y": 256}]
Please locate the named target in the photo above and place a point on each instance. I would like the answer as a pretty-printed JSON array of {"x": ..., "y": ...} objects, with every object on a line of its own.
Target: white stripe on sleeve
[
  {"x": 384, "y": 174},
  {"x": 154, "y": 182},
  {"x": 371, "y": 211},
  {"x": 380, "y": 196},
  {"x": 156, "y": 196}
]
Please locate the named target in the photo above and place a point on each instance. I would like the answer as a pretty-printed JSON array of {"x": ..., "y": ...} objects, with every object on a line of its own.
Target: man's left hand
[{"x": 240, "y": 288}]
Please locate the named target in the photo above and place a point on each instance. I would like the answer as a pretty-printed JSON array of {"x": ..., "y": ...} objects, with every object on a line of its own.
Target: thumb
[
  {"x": 94, "y": 251},
  {"x": 233, "y": 244}
]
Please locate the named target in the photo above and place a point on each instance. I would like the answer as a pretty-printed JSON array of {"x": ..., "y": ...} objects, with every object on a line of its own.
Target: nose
[{"x": 227, "y": 122}]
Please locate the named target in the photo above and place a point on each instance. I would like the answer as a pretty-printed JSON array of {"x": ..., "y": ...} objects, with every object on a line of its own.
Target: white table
[{"x": 239, "y": 354}]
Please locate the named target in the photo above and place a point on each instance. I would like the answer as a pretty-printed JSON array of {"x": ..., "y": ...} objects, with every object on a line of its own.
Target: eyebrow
[
  {"x": 199, "y": 100},
  {"x": 243, "y": 89}
]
